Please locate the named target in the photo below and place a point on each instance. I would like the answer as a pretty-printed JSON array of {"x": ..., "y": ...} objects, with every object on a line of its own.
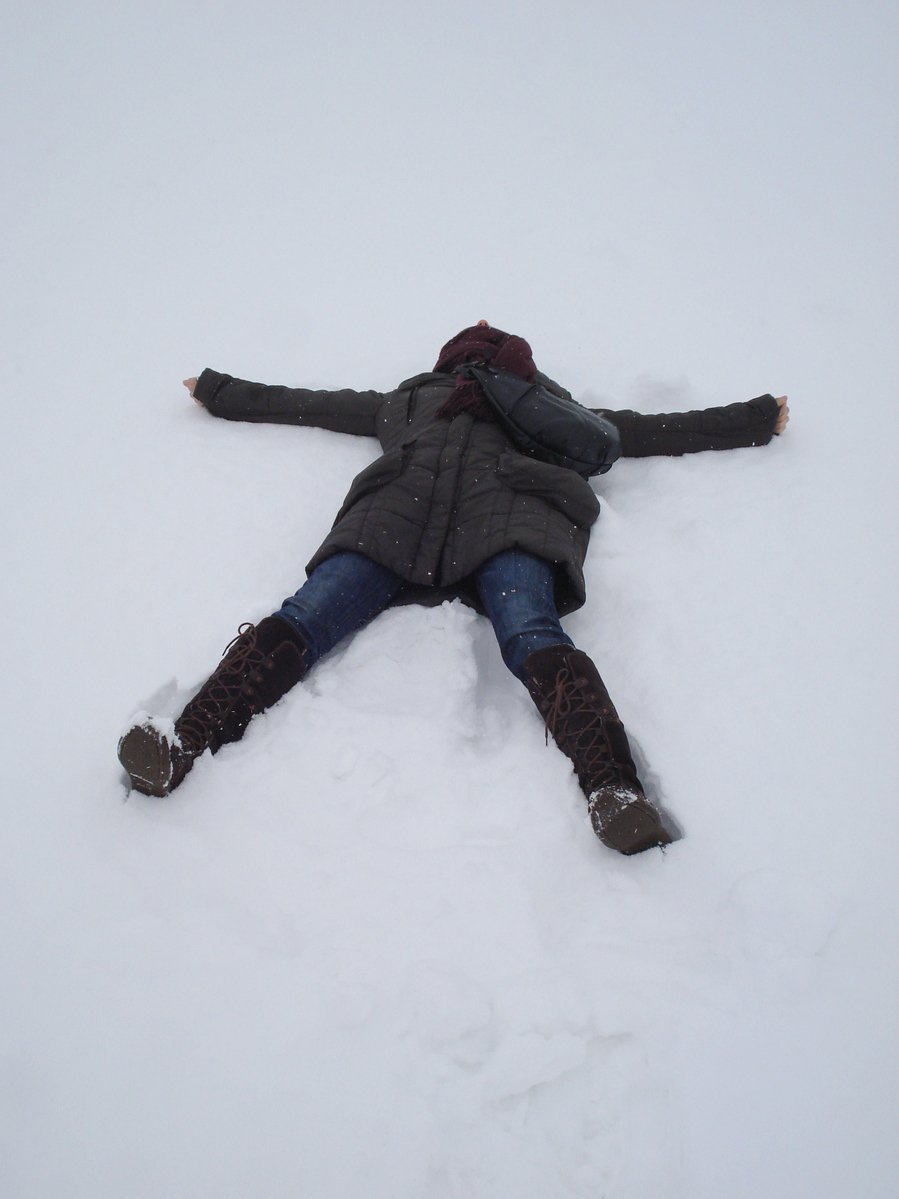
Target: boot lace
[
  {"x": 577, "y": 722},
  {"x": 234, "y": 678}
]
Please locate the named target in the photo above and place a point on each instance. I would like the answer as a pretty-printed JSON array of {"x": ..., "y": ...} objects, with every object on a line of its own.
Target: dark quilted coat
[{"x": 446, "y": 495}]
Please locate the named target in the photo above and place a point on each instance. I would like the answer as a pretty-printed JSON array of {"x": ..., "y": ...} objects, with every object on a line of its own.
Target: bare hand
[
  {"x": 191, "y": 385},
  {"x": 783, "y": 414}
]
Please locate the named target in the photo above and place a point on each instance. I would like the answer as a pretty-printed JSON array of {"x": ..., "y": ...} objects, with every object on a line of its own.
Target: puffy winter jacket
[{"x": 446, "y": 495}]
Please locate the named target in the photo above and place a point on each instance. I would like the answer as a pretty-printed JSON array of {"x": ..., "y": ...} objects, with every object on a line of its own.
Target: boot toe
[
  {"x": 626, "y": 821},
  {"x": 151, "y": 760}
]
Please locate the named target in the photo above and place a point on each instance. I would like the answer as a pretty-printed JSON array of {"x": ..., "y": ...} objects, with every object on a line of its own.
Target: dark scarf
[{"x": 505, "y": 351}]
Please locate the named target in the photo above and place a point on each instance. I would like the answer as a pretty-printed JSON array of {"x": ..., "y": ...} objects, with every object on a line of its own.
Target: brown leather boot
[
  {"x": 260, "y": 665},
  {"x": 577, "y": 710}
]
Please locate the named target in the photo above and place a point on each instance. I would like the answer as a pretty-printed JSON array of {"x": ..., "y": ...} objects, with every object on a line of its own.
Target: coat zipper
[{"x": 457, "y": 490}]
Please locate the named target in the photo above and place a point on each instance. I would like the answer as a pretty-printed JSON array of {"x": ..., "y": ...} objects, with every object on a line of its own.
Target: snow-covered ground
[{"x": 374, "y": 949}]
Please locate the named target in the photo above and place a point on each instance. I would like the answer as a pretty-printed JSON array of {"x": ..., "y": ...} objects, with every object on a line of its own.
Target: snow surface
[{"x": 375, "y": 949}]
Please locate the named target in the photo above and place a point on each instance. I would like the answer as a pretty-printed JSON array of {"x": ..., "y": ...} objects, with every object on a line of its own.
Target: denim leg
[
  {"x": 341, "y": 595},
  {"x": 516, "y": 589}
]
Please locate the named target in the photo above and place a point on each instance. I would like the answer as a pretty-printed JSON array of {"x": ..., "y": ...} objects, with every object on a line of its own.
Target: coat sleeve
[
  {"x": 236, "y": 399},
  {"x": 727, "y": 428}
]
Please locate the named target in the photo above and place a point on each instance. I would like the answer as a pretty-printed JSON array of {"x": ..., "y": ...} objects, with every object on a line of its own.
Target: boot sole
[
  {"x": 147, "y": 757},
  {"x": 633, "y": 828}
]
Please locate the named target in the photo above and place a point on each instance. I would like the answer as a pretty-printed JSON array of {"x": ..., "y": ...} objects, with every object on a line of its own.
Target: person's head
[{"x": 483, "y": 343}]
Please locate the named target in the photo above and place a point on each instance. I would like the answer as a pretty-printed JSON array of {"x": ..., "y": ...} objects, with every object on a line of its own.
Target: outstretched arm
[
  {"x": 752, "y": 423},
  {"x": 237, "y": 399}
]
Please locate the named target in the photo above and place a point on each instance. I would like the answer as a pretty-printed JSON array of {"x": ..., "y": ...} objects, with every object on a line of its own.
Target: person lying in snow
[{"x": 450, "y": 508}]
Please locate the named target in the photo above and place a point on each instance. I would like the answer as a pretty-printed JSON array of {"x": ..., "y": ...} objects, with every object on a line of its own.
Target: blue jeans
[{"x": 348, "y": 590}]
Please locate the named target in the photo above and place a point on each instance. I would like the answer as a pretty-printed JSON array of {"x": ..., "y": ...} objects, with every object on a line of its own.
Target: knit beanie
[{"x": 480, "y": 343}]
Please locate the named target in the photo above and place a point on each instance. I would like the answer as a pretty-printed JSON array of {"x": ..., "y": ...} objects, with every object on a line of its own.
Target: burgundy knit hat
[{"x": 480, "y": 343}]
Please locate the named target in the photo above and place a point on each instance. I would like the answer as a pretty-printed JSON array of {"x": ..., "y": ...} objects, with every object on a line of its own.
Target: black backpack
[{"x": 546, "y": 426}]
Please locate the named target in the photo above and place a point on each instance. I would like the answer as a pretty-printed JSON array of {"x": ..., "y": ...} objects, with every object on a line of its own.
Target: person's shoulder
[{"x": 425, "y": 377}]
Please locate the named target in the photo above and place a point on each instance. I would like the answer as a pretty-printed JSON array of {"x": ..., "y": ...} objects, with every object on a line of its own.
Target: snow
[{"x": 375, "y": 948}]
